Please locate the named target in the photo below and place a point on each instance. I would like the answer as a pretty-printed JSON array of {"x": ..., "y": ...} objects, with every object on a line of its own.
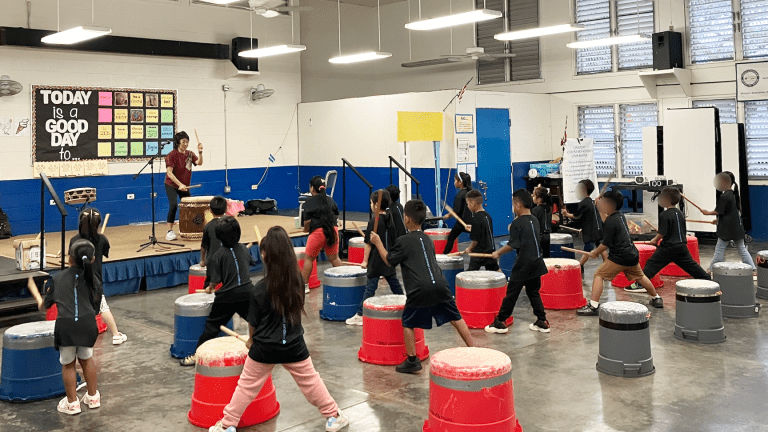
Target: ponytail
[
  {"x": 88, "y": 228},
  {"x": 325, "y": 213},
  {"x": 82, "y": 251},
  {"x": 735, "y": 188},
  {"x": 543, "y": 194},
  {"x": 466, "y": 180}
]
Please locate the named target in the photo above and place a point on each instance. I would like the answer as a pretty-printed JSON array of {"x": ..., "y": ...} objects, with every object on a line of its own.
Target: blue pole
[{"x": 438, "y": 207}]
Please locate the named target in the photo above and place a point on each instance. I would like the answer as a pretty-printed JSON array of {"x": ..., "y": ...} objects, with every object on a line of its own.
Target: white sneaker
[
  {"x": 218, "y": 427},
  {"x": 92, "y": 401},
  {"x": 70, "y": 408},
  {"x": 356, "y": 320},
  {"x": 306, "y": 288},
  {"x": 171, "y": 236},
  {"x": 334, "y": 424},
  {"x": 120, "y": 338}
]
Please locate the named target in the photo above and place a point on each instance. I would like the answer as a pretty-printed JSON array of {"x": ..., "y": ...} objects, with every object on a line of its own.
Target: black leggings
[
  {"x": 173, "y": 201},
  {"x": 453, "y": 236},
  {"x": 224, "y": 307},
  {"x": 532, "y": 287},
  {"x": 679, "y": 255}
]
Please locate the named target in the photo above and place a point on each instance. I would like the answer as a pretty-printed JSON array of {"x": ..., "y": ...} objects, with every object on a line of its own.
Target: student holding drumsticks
[{"x": 179, "y": 174}]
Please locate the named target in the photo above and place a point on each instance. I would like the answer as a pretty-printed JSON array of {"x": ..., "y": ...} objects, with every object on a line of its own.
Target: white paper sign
[
  {"x": 751, "y": 81},
  {"x": 578, "y": 164}
]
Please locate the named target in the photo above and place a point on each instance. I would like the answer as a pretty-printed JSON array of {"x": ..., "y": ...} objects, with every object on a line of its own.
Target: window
[
  {"x": 711, "y": 27},
  {"x": 632, "y": 120},
  {"x": 754, "y": 28},
  {"x": 727, "y": 108},
  {"x": 756, "y": 123},
  {"x": 598, "y": 122},
  {"x": 606, "y": 18}
]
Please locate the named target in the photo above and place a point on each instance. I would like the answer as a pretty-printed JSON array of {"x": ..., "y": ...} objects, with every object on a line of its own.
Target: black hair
[
  {"x": 178, "y": 137},
  {"x": 82, "y": 252},
  {"x": 589, "y": 185},
  {"x": 394, "y": 192},
  {"x": 465, "y": 179},
  {"x": 416, "y": 211},
  {"x": 616, "y": 198},
  {"x": 673, "y": 194},
  {"x": 228, "y": 231},
  {"x": 543, "y": 194},
  {"x": 523, "y": 197},
  {"x": 325, "y": 213},
  {"x": 284, "y": 282},
  {"x": 475, "y": 195},
  {"x": 735, "y": 188},
  {"x": 88, "y": 227},
  {"x": 385, "y": 199},
  {"x": 218, "y": 205}
]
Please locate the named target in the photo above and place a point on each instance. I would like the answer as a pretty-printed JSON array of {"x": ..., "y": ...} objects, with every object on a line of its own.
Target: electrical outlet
[
  {"x": 52, "y": 202},
  {"x": 254, "y": 187},
  {"x": 130, "y": 196}
]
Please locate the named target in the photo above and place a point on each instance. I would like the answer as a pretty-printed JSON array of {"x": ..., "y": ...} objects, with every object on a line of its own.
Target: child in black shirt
[
  {"x": 463, "y": 182},
  {"x": 591, "y": 224},
  {"x": 428, "y": 296},
  {"x": 481, "y": 234},
  {"x": 674, "y": 244},
  {"x": 623, "y": 256},
  {"x": 277, "y": 337},
  {"x": 229, "y": 267},
  {"x": 210, "y": 243},
  {"x": 529, "y": 266},
  {"x": 371, "y": 258},
  {"x": 542, "y": 211},
  {"x": 395, "y": 210}
]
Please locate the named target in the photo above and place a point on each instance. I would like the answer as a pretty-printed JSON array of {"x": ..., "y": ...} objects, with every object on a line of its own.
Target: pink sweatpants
[{"x": 255, "y": 375}]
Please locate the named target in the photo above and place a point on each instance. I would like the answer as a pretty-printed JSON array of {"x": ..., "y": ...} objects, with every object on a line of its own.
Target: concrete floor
[{"x": 695, "y": 388}]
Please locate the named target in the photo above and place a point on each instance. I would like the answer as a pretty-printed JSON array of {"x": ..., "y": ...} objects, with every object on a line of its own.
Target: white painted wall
[{"x": 254, "y": 129}]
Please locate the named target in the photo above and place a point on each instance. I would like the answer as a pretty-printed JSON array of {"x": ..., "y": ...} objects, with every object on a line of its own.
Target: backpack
[
  {"x": 5, "y": 226},
  {"x": 260, "y": 206}
]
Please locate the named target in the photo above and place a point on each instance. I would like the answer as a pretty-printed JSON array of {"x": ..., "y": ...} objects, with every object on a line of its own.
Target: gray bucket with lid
[
  {"x": 762, "y": 275},
  {"x": 625, "y": 340},
  {"x": 739, "y": 293},
  {"x": 699, "y": 317}
]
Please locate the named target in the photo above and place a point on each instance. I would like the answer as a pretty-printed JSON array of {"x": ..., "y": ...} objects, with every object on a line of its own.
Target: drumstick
[
  {"x": 104, "y": 225},
  {"x": 194, "y": 186},
  {"x": 650, "y": 225},
  {"x": 455, "y": 253},
  {"x": 605, "y": 186},
  {"x": 35, "y": 292},
  {"x": 701, "y": 221},
  {"x": 378, "y": 210},
  {"x": 232, "y": 333},
  {"x": 351, "y": 263},
  {"x": 567, "y": 249},
  {"x": 258, "y": 234},
  {"x": 197, "y": 137},
  {"x": 692, "y": 203},
  {"x": 569, "y": 228},
  {"x": 480, "y": 255},
  {"x": 453, "y": 213},
  {"x": 357, "y": 227}
]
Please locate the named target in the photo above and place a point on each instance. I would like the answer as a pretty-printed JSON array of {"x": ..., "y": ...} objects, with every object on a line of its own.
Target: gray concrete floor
[{"x": 695, "y": 388}]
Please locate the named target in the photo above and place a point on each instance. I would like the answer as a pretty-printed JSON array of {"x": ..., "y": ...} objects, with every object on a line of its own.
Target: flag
[{"x": 461, "y": 93}]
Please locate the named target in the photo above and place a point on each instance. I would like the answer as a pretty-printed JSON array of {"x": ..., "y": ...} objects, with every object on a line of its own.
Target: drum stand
[{"x": 152, "y": 238}]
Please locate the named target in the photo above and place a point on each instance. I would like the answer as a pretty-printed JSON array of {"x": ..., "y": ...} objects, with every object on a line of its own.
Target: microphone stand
[{"x": 151, "y": 163}]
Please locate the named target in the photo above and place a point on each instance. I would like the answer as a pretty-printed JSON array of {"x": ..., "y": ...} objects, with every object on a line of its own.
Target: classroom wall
[{"x": 254, "y": 130}]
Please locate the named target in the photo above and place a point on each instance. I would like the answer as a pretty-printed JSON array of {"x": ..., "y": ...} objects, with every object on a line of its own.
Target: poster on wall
[
  {"x": 15, "y": 126},
  {"x": 97, "y": 123},
  {"x": 578, "y": 164},
  {"x": 751, "y": 81}
]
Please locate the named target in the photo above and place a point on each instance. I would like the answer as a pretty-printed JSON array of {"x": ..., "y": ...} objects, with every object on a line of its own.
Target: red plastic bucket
[
  {"x": 53, "y": 312},
  {"x": 383, "y": 342},
  {"x": 439, "y": 237},
  {"x": 674, "y": 270},
  {"x": 479, "y": 295},
  {"x": 561, "y": 288},
  {"x": 314, "y": 281},
  {"x": 646, "y": 251},
  {"x": 197, "y": 279},
  {"x": 356, "y": 250}
]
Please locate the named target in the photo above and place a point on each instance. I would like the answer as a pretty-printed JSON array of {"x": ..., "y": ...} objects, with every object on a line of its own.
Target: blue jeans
[
  {"x": 373, "y": 283},
  {"x": 720, "y": 253}
]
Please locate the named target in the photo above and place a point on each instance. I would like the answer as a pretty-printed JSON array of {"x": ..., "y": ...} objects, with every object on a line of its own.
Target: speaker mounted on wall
[{"x": 244, "y": 64}]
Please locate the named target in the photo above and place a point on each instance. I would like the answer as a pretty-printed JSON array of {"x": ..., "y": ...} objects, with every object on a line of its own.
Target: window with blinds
[
  {"x": 754, "y": 28},
  {"x": 632, "y": 120},
  {"x": 711, "y": 29},
  {"x": 635, "y": 17},
  {"x": 727, "y": 108},
  {"x": 491, "y": 71},
  {"x": 597, "y": 122},
  {"x": 526, "y": 65},
  {"x": 756, "y": 124},
  {"x": 595, "y": 15}
]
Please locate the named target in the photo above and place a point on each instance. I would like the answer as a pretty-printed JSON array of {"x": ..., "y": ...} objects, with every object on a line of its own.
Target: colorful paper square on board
[
  {"x": 121, "y": 131},
  {"x": 105, "y": 132},
  {"x": 137, "y": 116},
  {"x": 137, "y": 149},
  {"x": 137, "y": 99},
  {"x": 166, "y": 149},
  {"x": 152, "y": 116},
  {"x": 166, "y": 100},
  {"x": 105, "y": 149},
  {"x": 121, "y": 116},
  {"x": 151, "y": 99},
  {"x": 166, "y": 116},
  {"x": 105, "y": 98},
  {"x": 105, "y": 115},
  {"x": 152, "y": 148},
  {"x": 121, "y": 149},
  {"x": 152, "y": 131},
  {"x": 121, "y": 99},
  {"x": 137, "y": 132},
  {"x": 166, "y": 132}
]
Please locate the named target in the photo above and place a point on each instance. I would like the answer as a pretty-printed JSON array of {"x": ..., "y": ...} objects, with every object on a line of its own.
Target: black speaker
[
  {"x": 667, "y": 50},
  {"x": 240, "y": 44}
]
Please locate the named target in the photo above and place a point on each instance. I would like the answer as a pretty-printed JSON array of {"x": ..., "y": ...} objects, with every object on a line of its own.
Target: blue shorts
[
  {"x": 590, "y": 246},
  {"x": 421, "y": 317}
]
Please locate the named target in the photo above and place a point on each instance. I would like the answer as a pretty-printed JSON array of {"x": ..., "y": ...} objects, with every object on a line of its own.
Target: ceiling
[{"x": 243, "y": 4}]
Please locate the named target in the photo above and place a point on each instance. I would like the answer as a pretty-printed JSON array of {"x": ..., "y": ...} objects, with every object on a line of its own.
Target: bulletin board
[{"x": 98, "y": 123}]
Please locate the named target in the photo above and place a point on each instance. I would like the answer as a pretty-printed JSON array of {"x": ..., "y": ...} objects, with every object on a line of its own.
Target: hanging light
[
  {"x": 273, "y": 50},
  {"x": 76, "y": 34},
  {"x": 615, "y": 40},
  {"x": 539, "y": 31},
  {"x": 474, "y": 16},
  {"x": 218, "y": 2},
  {"x": 360, "y": 57}
]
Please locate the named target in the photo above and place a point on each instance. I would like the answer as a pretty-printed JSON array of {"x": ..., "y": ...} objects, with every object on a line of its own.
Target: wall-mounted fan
[
  {"x": 260, "y": 92},
  {"x": 9, "y": 87}
]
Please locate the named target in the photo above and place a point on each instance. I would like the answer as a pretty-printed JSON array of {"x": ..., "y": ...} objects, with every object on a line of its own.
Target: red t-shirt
[{"x": 182, "y": 166}]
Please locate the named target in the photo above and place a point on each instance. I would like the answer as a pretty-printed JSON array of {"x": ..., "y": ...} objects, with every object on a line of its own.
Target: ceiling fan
[
  {"x": 266, "y": 9},
  {"x": 472, "y": 53}
]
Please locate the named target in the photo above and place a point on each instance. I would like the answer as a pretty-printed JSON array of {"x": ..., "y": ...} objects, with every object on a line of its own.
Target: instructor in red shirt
[{"x": 178, "y": 175}]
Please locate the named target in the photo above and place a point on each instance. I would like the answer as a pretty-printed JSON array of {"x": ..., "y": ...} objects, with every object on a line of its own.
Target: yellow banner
[{"x": 419, "y": 126}]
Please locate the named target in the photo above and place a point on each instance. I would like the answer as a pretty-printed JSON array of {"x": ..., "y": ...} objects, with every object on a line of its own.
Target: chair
[{"x": 330, "y": 187}]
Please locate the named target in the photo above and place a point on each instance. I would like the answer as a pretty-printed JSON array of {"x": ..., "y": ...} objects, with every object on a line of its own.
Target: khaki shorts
[{"x": 609, "y": 270}]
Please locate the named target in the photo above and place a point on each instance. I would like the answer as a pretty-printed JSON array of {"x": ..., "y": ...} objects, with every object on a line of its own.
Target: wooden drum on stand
[{"x": 194, "y": 213}]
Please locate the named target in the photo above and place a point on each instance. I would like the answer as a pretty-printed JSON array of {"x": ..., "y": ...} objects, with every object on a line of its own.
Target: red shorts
[{"x": 317, "y": 242}]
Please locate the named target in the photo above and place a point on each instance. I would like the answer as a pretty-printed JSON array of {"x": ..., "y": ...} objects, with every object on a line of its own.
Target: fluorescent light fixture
[
  {"x": 539, "y": 31},
  {"x": 77, "y": 34},
  {"x": 269, "y": 13},
  {"x": 616, "y": 40},
  {"x": 356, "y": 58},
  {"x": 454, "y": 20},
  {"x": 273, "y": 50},
  {"x": 219, "y": 2},
  {"x": 431, "y": 62}
]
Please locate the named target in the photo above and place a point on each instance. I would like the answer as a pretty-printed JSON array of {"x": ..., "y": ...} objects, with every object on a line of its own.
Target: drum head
[{"x": 197, "y": 200}]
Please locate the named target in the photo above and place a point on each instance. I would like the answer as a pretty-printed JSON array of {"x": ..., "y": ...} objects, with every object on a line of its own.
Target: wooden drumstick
[
  {"x": 354, "y": 224},
  {"x": 197, "y": 137},
  {"x": 35, "y": 292},
  {"x": 104, "y": 225},
  {"x": 233, "y": 333},
  {"x": 378, "y": 210},
  {"x": 650, "y": 225},
  {"x": 692, "y": 203},
  {"x": 701, "y": 221},
  {"x": 453, "y": 213},
  {"x": 258, "y": 234},
  {"x": 38, "y": 236},
  {"x": 567, "y": 249},
  {"x": 351, "y": 263},
  {"x": 455, "y": 253},
  {"x": 480, "y": 255},
  {"x": 571, "y": 229},
  {"x": 605, "y": 186}
]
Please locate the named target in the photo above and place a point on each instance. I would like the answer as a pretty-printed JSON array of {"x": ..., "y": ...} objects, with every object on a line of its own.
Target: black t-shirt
[
  {"x": 210, "y": 242},
  {"x": 460, "y": 206},
  {"x": 102, "y": 250},
  {"x": 482, "y": 232},
  {"x": 621, "y": 249},
  {"x": 672, "y": 228},
  {"x": 591, "y": 225},
  {"x": 524, "y": 238},
  {"x": 229, "y": 266},
  {"x": 317, "y": 213},
  {"x": 77, "y": 307},
  {"x": 386, "y": 231},
  {"x": 544, "y": 216},
  {"x": 729, "y": 225},
  {"x": 275, "y": 341},
  {"x": 396, "y": 212},
  {"x": 423, "y": 280}
]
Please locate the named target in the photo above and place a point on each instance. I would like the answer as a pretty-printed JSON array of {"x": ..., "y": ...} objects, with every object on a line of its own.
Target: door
[{"x": 494, "y": 166}]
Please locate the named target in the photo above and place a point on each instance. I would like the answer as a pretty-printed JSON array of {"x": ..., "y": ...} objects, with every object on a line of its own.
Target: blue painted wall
[{"x": 758, "y": 197}]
